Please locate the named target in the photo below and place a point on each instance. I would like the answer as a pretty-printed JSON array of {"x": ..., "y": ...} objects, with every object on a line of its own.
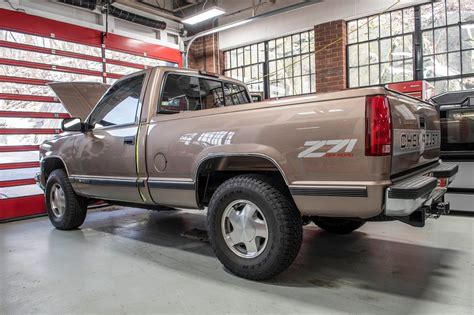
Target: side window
[
  {"x": 184, "y": 93},
  {"x": 119, "y": 105},
  {"x": 235, "y": 94}
]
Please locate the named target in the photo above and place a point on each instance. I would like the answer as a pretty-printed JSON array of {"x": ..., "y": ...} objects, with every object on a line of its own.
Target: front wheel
[
  {"x": 337, "y": 225},
  {"x": 254, "y": 229},
  {"x": 66, "y": 210}
]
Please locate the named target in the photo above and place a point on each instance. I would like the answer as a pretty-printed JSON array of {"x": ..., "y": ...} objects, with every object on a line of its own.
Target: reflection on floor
[{"x": 138, "y": 261}]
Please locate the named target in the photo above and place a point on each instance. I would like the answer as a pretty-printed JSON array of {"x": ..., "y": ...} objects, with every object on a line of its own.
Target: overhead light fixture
[{"x": 203, "y": 15}]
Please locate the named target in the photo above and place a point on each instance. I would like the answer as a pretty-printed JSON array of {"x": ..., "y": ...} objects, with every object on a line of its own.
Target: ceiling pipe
[{"x": 189, "y": 41}]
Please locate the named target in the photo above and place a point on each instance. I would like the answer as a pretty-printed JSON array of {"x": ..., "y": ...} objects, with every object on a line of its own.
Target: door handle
[{"x": 129, "y": 140}]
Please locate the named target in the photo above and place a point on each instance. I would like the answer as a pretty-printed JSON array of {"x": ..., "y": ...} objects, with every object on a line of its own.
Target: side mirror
[{"x": 72, "y": 124}]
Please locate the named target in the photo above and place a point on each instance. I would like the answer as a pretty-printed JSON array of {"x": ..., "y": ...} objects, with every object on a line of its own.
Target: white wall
[
  {"x": 86, "y": 18},
  {"x": 302, "y": 19}
]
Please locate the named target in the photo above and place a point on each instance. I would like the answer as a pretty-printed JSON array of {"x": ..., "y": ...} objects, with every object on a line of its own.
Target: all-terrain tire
[
  {"x": 283, "y": 220},
  {"x": 76, "y": 206},
  {"x": 337, "y": 225}
]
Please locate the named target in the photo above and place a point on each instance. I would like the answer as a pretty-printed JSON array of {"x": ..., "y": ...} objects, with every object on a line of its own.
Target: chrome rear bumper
[{"x": 409, "y": 195}]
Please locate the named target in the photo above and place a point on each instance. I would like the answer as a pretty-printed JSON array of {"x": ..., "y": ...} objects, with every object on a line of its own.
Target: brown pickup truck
[{"x": 174, "y": 138}]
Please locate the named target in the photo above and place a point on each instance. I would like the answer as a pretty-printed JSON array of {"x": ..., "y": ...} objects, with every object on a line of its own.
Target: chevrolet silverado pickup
[{"x": 175, "y": 138}]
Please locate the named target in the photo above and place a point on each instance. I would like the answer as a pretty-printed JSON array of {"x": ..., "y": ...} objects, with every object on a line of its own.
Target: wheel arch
[
  {"x": 51, "y": 163},
  {"x": 215, "y": 169}
]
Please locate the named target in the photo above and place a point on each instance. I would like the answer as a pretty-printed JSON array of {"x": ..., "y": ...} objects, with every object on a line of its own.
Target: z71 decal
[{"x": 328, "y": 148}]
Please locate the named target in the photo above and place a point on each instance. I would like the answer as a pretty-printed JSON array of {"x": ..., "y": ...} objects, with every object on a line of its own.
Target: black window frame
[
  {"x": 269, "y": 76},
  {"x": 144, "y": 74},
  {"x": 460, "y": 81},
  {"x": 210, "y": 78}
]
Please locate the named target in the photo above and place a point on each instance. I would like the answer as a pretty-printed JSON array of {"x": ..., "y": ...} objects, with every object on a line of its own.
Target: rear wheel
[
  {"x": 254, "y": 229},
  {"x": 337, "y": 225},
  {"x": 66, "y": 210}
]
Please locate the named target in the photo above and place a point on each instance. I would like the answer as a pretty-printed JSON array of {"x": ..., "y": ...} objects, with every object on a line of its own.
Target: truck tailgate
[{"x": 416, "y": 132}]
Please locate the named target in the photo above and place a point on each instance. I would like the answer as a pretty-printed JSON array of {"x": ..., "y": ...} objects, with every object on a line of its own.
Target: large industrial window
[
  {"x": 279, "y": 67},
  {"x": 380, "y": 48},
  {"x": 448, "y": 44}
]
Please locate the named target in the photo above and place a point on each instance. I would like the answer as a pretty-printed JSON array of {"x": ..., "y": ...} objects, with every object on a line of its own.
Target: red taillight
[{"x": 378, "y": 126}]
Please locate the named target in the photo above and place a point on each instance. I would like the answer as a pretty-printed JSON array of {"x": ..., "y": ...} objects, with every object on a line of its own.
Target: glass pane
[
  {"x": 452, "y": 7},
  {"x": 21, "y": 173},
  {"x": 364, "y": 76},
  {"x": 374, "y": 27},
  {"x": 374, "y": 52},
  {"x": 385, "y": 50},
  {"x": 426, "y": 16},
  {"x": 305, "y": 64},
  {"x": 227, "y": 59},
  {"x": 468, "y": 61},
  {"x": 409, "y": 20},
  {"x": 27, "y": 106},
  {"x": 44, "y": 42},
  {"x": 289, "y": 87},
  {"x": 428, "y": 67},
  {"x": 279, "y": 48},
  {"x": 441, "y": 43},
  {"x": 397, "y": 23},
  {"x": 297, "y": 87},
  {"x": 353, "y": 77},
  {"x": 20, "y": 191},
  {"x": 363, "y": 29},
  {"x": 247, "y": 60},
  {"x": 408, "y": 46},
  {"x": 254, "y": 53},
  {"x": 31, "y": 56},
  {"x": 312, "y": 61},
  {"x": 304, "y": 42},
  {"x": 25, "y": 89},
  {"x": 306, "y": 84},
  {"x": 296, "y": 45},
  {"x": 467, "y": 9},
  {"x": 280, "y": 69},
  {"x": 313, "y": 83},
  {"x": 397, "y": 48},
  {"x": 454, "y": 64},
  {"x": 10, "y": 122},
  {"x": 261, "y": 52},
  {"x": 288, "y": 46},
  {"x": 271, "y": 50},
  {"x": 311, "y": 43},
  {"x": 240, "y": 57},
  {"x": 119, "y": 105},
  {"x": 353, "y": 55},
  {"x": 398, "y": 71},
  {"x": 233, "y": 58},
  {"x": 18, "y": 157},
  {"x": 441, "y": 65},
  {"x": 297, "y": 66},
  {"x": 352, "y": 32},
  {"x": 24, "y": 72},
  {"x": 141, "y": 60},
  {"x": 439, "y": 14},
  {"x": 428, "y": 48},
  {"x": 374, "y": 75},
  {"x": 467, "y": 36},
  {"x": 386, "y": 74},
  {"x": 385, "y": 25},
  {"x": 117, "y": 69},
  {"x": 453, "y": 38},
  {"x": 408, "y": 70},
  {"x": 23, "y": 139},
  {"x": 288, "y": 67},
  {"x": 363, "y": 54}
]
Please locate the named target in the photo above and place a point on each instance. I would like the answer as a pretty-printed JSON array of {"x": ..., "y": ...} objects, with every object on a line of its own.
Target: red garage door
[{"x": 33, "y": 52}]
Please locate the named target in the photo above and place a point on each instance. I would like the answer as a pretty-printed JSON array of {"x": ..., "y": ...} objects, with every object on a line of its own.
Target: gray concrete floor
[{"x": 136, "y": 261}]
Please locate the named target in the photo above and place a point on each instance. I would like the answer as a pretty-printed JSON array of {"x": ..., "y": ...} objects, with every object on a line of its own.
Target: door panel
[{"x": 106, "y": 155}]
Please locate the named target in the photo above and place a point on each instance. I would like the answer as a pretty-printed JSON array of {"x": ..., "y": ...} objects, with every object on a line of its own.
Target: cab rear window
[{"x": 190, "y": 93}]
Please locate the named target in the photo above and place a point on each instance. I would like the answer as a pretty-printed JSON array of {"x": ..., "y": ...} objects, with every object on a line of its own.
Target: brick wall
[
  {"x": 205, "y": 54},
  {"x": 330, "y": 45}
]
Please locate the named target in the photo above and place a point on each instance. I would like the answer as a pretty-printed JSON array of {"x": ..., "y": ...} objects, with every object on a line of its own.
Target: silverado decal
[{"x": 332, "y": 148}]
